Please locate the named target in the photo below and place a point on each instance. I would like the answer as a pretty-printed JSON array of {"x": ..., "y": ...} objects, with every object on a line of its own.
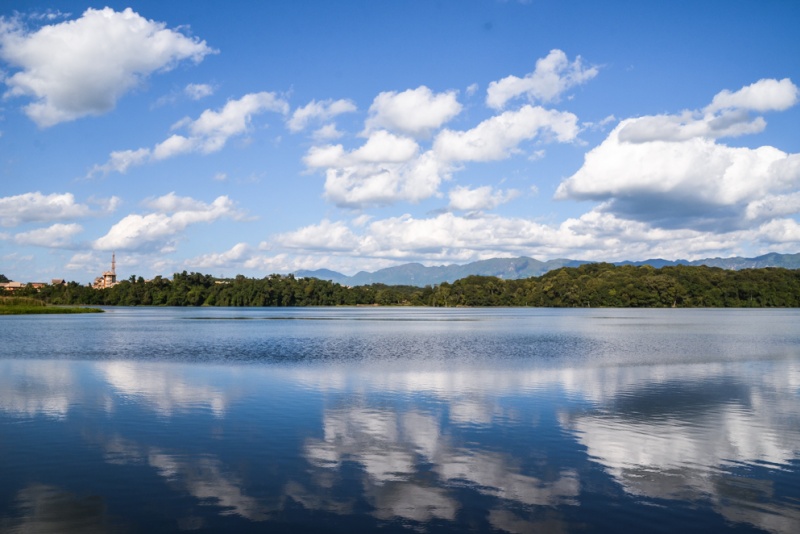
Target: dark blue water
[{"x": 344, "y": 420}]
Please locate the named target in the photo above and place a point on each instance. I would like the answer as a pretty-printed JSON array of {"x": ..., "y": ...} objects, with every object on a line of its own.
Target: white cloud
[
  {"x": 173, "y": 203},
  {"x": 691, "y": 183},
  {"x": 56, "y": 236},
  {"x": 384, "y": 147},
  {"x": 669, "y": 170},
  {"x": 480, "y": 198},
  {"x": 172, "y": 146},
  {"x": 213, "y": 128},
  {"x": 375, "y": 184},
  {"x": 415, "y": 112},
  {"x": 773, "y": 206},
  {"x": 198, "y": 91},
  {"x": 448, "y": 238},
  {"x": 688, "y": 125},
  {"x": 318, "y": 111},
  {"x": 553, "y": 75},
  {"x": 82, "y": 67},
  {"x": 385, "y": 169},
  {"x": 83, "y": 262},
  {"x": 498, "y": 137},
  {"x": 121, "y": 160},
  {"x": 726, "y": 116},
  {"x": 326, "y": 235},
  {"x": 779, "y": 231},
  {"x": 763, "y": 95},
  {"x": 158, "y": 230},
  {"x": 207, "y": 134},
  {"x": 36, "y": 207},
  {"x": 230, "y": 258},
  {"x": 601, "y": 125},
  {"x": 389, "y": 168},
  {"x": 326, "y": 133}
]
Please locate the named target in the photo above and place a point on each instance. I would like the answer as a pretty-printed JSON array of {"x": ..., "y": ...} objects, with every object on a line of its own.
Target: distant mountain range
[{"x": 416, "y": 274}]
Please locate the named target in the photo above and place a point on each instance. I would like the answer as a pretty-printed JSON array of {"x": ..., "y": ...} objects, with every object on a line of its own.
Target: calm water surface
[{"x": 343, "y": 420}]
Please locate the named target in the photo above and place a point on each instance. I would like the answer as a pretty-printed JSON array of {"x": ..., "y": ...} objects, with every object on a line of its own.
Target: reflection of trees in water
[{"x": 45, "y": 509}]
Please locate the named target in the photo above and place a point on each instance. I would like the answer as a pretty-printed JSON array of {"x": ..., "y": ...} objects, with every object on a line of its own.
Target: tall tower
[{"x": 109, "y": 278}]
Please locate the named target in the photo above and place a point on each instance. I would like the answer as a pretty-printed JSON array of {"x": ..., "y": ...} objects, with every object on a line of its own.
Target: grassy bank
[{"x": 29, "y": 306}]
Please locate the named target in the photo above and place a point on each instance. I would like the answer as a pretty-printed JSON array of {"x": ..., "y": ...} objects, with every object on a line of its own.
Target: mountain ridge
[{"x": 416, "y": 274}]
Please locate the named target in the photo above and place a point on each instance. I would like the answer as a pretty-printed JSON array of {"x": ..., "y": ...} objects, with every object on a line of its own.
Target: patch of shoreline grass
[{"x": 29, "y": 306}]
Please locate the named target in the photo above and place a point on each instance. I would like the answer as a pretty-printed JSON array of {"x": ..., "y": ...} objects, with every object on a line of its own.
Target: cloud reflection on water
[
  {"x": 695, "y": 432},
  {"x": 31, "y": 390},
  {"x": 412, "y": 466},
  {"x": 165, "y": 386},
  {"x": 671, "y": 432},
  {"x": 203, "y": 476}
]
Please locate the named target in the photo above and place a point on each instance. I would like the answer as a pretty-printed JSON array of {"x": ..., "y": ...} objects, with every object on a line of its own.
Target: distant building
[
  {"x": 109, "y": 278},
  {"x": 58, "y": 282},
  {"x": 12, "y": 286}
]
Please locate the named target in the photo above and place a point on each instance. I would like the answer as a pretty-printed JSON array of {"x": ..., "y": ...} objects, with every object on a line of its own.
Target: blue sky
[{"x": 261, "y": 137}]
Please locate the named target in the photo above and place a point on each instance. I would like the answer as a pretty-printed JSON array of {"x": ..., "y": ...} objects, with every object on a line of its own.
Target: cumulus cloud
[
  {"x": 405, "y": 237},
  {"x": 385, "y": 169},
  {"x": 213, "y": 128},
  {"x": 56, "y": 236},
  {"x": 415, "y": 112},
  {"x": 480, "y": 198},
  {"x": 553, "y": 75},
  {"x": 763, "y": 95},
  {"x": 318, "y": 111},
  {"x": 448, "y": 237},
  {"x": 208, "y": 133},
  {"x": 498, "y": 137},
  {"x": 326, "y": 133},
  {"x": 675, "y": 174},
  {"x": 36, "y": 207},
  {"x": 82, "y": 67},
  {"x": 773, "y": 206},
  {"x": 389, "y": 168},
  {"x": 230, "y": 258},
  {"x": 170, "y": 147},
  {"x": 727, "y": 115},
  {"x": 158, "y": 230},
  {"x": 83, "y": 261},
  {"x": 326, "y": 235}
]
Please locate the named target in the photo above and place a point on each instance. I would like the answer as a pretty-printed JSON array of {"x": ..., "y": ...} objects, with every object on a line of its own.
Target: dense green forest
[{"x": 591, "y": 285}]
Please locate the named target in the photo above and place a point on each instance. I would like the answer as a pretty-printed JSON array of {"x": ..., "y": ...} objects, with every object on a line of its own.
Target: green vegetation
[
  {"x": 28, "y": 306},
  {"x": 590, "y": 285}
]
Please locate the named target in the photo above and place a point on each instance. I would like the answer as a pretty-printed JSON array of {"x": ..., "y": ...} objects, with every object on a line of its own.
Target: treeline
[{"x": 591, "y": 285}]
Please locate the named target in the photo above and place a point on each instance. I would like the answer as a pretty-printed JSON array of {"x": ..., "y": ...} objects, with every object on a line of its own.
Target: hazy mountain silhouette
[{"x": 416, "y": 274}]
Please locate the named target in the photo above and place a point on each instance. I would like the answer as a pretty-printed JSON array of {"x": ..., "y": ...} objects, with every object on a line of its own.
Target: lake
[{"x": 398, "y": 419}]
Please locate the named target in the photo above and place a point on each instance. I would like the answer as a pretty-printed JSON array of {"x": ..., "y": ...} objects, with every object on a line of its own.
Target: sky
[{"x": 267, "y": 137}]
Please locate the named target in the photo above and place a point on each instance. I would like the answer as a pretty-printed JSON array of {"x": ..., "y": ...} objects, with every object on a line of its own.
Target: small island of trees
[{"x": 590, "y": 285}]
